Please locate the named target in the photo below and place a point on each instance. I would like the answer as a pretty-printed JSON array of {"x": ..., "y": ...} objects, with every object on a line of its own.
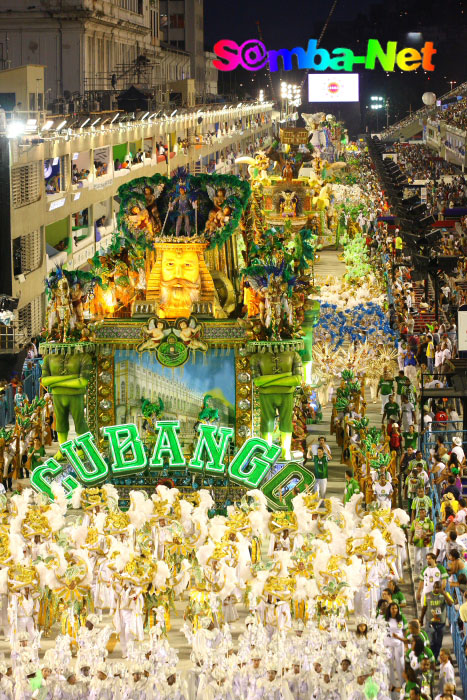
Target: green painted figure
[
  {"x": 66, "y": 377},
  {"x": 276, "y": 374}
]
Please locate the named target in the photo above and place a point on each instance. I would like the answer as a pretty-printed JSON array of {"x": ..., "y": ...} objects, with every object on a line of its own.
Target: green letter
[
  {"x": 167, "y": 442},
  {"x": 259, "y": 464},
  {"x": 52, "y": 468},
  {"x": 344, "y": 59},
  {"x": 280, "y": 492},
  {"x": 124, "y": 439},
  {"x": 374, "y": 51},
  {"x": 99, "y": 468},
  {"x": 215, "y": 451}
]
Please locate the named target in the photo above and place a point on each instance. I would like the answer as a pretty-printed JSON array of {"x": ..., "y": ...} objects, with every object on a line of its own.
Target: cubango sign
[{"x": 250, "y": 467}]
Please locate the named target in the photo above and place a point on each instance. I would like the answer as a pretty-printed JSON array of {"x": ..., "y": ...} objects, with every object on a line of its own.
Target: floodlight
[{"x": 15, "y": 129}]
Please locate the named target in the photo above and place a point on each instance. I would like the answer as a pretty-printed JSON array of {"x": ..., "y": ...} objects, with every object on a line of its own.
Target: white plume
[
  {"x": 124, "y": 552},
  {"x": 205, "y": 552},
  {"x": 78, "y": 535},
  {"x": 167, "y": 494},
  {"x": 3, "y": 581},
  {"x": 244, "y": 558},
  {"x": 217, "y": 527},
  {"x": 337, "y": 507},
  {"x": 55, "y": 517},
  {"x": 206, "y": 501},
  {"x": 99, "y": 521},
  {"x": 141, "y": 508},
  {"x": 400, "y": 516},
  {"x": 259, "y": 498},
  {"x": 397, "y": 534},
  {"x": 186, "y": 509},
  {"x": 47, "y": 576},
  {"x": 200, "y": 522},
  {"x": 161, "y": 576},
  {"x": 305, "y": 588},
  {"x": 111, "y": 491},
  {"x": 338, "y": 538},
  {"x": 53, "y": 549},
  {"x": 76, "y": 497},
  {"x": 320, "y": 563},
  {"x": 17, "y": 545},
  {"x": 355, "y": 572},
  {"x": 354, "y": 501},
  {"x": 285, "y": 560},
  {"x": 230, "y": 581},
  {"x": 60, "y": 499},
  {"x": 259, "y": 521},
  {"x": 380, "y": 543},
  {"x": 84, "y": 555},
  {"x": 257, "y": 584}
]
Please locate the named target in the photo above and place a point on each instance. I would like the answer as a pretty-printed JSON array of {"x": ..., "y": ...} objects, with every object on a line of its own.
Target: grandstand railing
[
  {"x": 419, "y": 113},
  {"x": 459, "y": 635}
]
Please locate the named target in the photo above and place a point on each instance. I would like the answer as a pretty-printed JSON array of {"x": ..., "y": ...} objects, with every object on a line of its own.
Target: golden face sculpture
[{"x": 180, "y": 282}]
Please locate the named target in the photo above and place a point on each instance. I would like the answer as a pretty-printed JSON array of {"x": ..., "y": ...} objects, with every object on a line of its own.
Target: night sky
[
  {"x": 284, "y": 23},
  {"x": 292, "y": 23}
]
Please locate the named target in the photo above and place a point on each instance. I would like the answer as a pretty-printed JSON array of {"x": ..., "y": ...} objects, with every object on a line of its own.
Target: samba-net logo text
[{"x": 253, "y": 55}]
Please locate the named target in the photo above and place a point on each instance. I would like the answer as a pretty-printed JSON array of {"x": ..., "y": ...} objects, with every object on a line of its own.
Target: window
[
  {"x": 30, "y": 317},
  {"x": 56, "y": 174},
  {"x": 27, "y": 253},
  {"x": 154, "y": 31},
  {"x": 122, "y": 391},
  {"x": 177, "y": 22},
  {"x": 101, "y": 161},
  {"x": 132, "y": 5},
  {"x": 26, "y": 184}
]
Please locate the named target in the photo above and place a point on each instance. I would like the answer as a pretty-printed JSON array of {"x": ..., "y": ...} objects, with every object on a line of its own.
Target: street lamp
[
  {"x": 291, "y": 94},
  {"x": 378, "y": 102},
  {"x": 283, "y": 96}
]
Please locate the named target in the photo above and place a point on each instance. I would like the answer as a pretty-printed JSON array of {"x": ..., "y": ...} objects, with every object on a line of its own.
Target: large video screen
[{"x": 333, "y": 87}]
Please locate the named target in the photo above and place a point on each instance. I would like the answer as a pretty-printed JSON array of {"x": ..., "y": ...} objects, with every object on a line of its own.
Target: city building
[
  {"x": 135, "y": 382},
  {"x": 60, "y": 176},
  {"x": 211, "y": 75},
  {"x": 181, "y": 24},
  {"x": 94, "y": 49}
]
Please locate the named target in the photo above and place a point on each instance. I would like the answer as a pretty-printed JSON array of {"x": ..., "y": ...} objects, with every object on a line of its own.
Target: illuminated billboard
[{"x": 333, "y": 87}]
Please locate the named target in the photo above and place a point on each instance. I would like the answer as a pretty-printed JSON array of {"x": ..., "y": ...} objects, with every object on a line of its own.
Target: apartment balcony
[
  {"x": 55, "y": 258},
  {"x": 12, "y": 338}
]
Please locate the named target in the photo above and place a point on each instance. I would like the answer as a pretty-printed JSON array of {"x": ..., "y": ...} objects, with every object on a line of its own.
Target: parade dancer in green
[{"x": 351, "y": 486}]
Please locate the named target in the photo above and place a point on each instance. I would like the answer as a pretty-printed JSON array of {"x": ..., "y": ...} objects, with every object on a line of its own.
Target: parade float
[{"x": 183, "y": 353}]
